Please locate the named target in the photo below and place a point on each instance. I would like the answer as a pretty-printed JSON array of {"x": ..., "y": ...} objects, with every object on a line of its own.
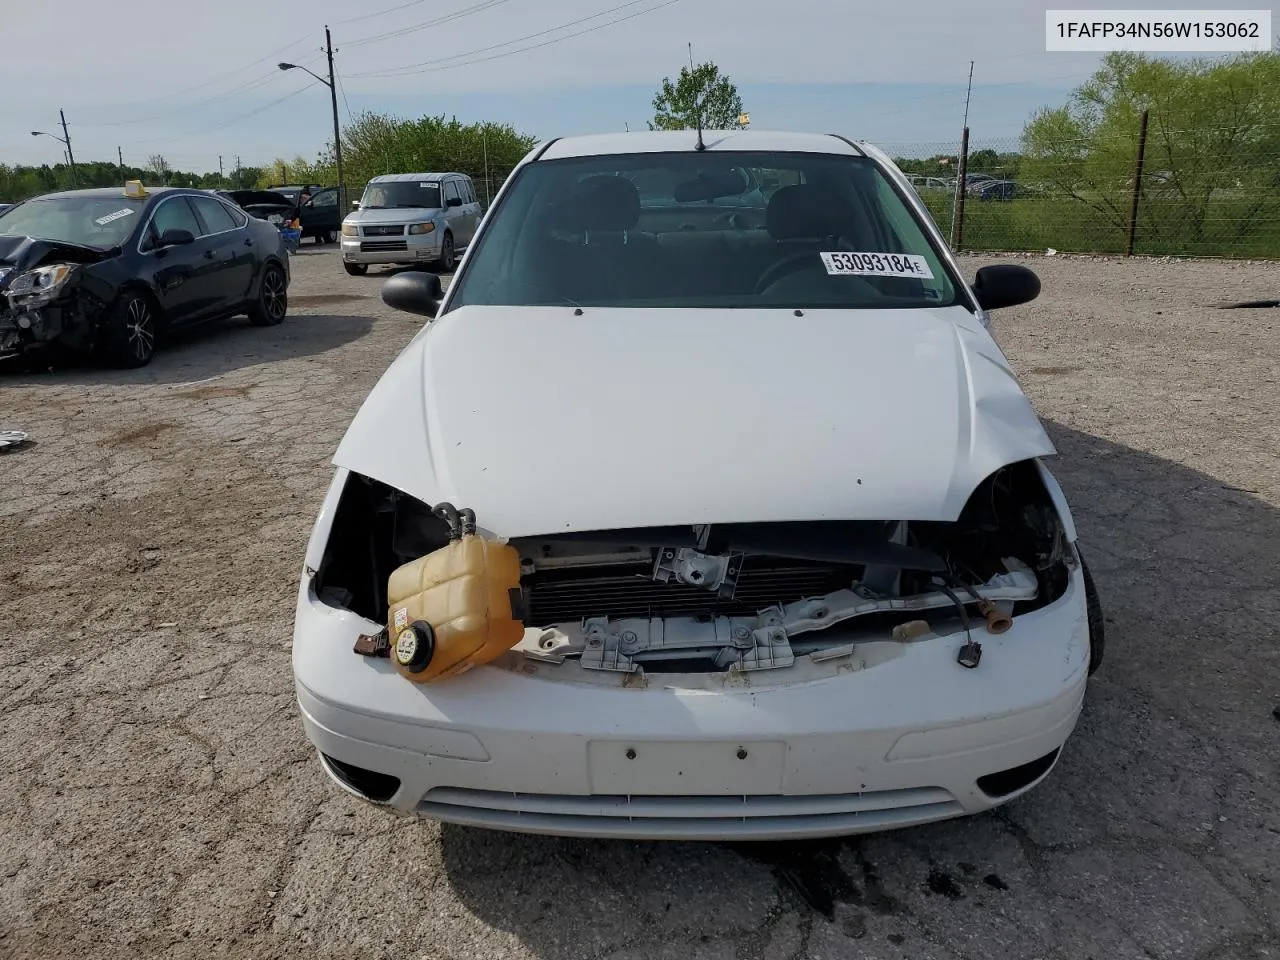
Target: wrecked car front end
[
  {"x": 773, "y": 636},
  {"x": 49, "y": 295}
]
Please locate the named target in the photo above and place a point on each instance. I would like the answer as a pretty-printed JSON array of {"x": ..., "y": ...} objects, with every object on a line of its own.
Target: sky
[{"x": 134, "y": 75}]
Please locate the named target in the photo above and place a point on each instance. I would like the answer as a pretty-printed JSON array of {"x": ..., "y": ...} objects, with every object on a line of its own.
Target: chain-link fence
[{"x": 1149, "y": 191}]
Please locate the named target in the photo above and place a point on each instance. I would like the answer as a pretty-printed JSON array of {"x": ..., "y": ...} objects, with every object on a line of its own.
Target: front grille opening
[
  {"x": 568, "y": 596},
  {"x": 1004, "y": 782},
  {"x": 378, "y": 787}
]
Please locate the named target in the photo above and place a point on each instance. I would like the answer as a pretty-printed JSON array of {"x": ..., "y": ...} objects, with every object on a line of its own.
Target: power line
[
  {"x": 380, "y": 13},
  {"x": 449, "y": 63},
  {"x": 245, "y": 87},
  {"x": 414, "y": 28},
  {"x": 208, "y": 83},
  {"x": 229, "y": 121}
]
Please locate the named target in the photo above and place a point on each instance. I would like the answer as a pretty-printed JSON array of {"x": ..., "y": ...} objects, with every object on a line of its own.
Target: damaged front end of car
[
  {"x": 47, "y": 297},
  {"x": 730, "y": 599}
]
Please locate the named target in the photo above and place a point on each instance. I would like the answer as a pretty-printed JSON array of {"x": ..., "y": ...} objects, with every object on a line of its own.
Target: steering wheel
[{"x": 788, "y": 265}]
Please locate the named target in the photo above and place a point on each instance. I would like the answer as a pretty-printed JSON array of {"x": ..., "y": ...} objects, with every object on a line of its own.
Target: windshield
[
  {"x": 101, "y": 222},
  {"x": 419, "y": 194},
  {"x": 692, "y": 229}
]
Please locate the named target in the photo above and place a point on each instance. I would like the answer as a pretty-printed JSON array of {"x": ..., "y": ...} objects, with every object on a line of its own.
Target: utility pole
[
  {"x": 238, "y": 183},
  {"x": 71, "y": 157},
  {"x": 221, "y": 179},
  {"x": 960, "y": 184},
  {"x": 120, "y": 160},
  {"x": 691, "y": 58},
  {"x": 337, "y": 131}
]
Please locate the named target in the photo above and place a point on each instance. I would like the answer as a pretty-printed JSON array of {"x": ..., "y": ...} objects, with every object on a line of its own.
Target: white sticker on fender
[
  {"x": 103, "y": 221},
  {"x": 877, "y": 265}
]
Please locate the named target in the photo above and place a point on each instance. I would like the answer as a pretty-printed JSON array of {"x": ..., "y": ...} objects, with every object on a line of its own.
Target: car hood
[
  {"x": 543, "y": 422},
  {"x": 367, "y": 215},
  {"x": 19, "y": 254}
]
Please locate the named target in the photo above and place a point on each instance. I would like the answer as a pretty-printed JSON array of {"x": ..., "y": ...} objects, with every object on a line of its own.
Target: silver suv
[{"x": 408, "y": 218}]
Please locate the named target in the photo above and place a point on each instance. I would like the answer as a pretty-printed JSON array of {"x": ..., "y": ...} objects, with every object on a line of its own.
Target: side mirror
[
  {"x": 414, "y": 292},
  {"x": 454, "y": 202},
  {"x": 1005, "y": 285},
  {"x": 174, "y": 237},
  {"x": 356, "y": 204}
]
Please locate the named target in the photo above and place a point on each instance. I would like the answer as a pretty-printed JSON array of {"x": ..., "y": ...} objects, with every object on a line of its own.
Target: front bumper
[
  {"x": 404, "y": 249},
  {"x": 887, "y": 740},
  {"x": 24, "y": 327}
]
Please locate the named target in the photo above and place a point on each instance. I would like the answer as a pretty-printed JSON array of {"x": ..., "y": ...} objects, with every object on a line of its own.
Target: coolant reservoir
[{"x": 455, "y": 608}]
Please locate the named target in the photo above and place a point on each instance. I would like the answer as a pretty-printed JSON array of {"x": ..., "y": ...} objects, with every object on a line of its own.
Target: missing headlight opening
[{"x": 694, "y": 599}]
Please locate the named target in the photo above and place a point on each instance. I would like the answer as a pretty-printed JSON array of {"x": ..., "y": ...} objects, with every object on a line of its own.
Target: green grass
[{"x": 1232, "y": 227}]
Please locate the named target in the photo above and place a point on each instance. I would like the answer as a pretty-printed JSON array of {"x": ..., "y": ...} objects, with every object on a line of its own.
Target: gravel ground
[{"x": 157, "y": 797}]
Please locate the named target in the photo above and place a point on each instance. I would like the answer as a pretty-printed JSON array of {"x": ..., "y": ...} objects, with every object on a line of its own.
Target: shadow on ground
[
  {"x": 1159, "y": 826},
  {"x": 209, "y": 351}
]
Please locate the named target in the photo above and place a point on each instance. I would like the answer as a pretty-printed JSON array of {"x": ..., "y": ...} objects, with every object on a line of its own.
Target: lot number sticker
[
  {"x": 103, "y": 221},
  {"x": 877, "y": 265}
]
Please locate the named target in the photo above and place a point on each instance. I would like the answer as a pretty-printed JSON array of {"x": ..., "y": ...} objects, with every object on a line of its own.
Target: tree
[
  {"x": 377, "y": 143},
  {"x": 1213, "y": 138},
  {"x": 700, "y": 89},
  {"x": 158, "y": 165}
]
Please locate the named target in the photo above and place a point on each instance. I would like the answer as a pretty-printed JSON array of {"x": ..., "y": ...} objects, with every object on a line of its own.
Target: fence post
[
  {"x": 957, "y": 218},
  {"x": 1137, "y": 184}
]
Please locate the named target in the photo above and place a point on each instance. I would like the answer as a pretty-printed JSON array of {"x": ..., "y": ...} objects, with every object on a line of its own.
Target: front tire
[
  {"x": 131, "y": 330},
  {"x": 356, "y": 269},
  {"x": 273, "y": 298},
  {"x": 447, "y": 259}
]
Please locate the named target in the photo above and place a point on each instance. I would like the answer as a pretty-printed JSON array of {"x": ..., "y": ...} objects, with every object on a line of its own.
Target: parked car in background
[
  {"x": 110, "y": 270},
  {"x": 321, "y": 216},
  {"x": 405, "y": 218},
  {"x": 994, "y": 190},
  {"x": 809, "y": 610},
  {"x": 267, "y": 205}
]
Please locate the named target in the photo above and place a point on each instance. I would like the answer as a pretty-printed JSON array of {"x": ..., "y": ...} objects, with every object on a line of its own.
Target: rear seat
[{"x": 716, "y": 262}]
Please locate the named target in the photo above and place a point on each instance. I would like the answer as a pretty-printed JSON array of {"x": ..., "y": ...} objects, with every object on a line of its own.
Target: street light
[
  {"x": 65, "y": 140},
  {"x": 333, "y": 99}
]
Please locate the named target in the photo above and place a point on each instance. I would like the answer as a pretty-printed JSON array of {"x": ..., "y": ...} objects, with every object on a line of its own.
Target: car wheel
[
  {"x": 273, "y": 298},
  {"x": 131, "y": 331},
  {"x": 356, "y": 269},
  {"x": 1097, "y": 623},
  {"x": 330, "y": 237},
  {"x": 446, "y": 254}
]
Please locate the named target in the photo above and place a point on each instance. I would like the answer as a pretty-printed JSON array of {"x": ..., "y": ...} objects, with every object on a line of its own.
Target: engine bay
[{"x": 739, "y": 596}]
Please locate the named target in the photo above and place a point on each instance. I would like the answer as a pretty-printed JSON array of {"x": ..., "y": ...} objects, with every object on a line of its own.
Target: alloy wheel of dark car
[
  {"x": 131, "y": 332},
  {"x": 446, "y": 254},
  {"x": 140, "y": 326},
  {"x": 273, "y": 299}
]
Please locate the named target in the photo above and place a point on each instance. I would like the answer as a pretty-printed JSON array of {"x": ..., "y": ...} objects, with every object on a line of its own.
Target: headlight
[
  {"x": 349, "y": 230},
  {"x": 417, "y": 229},
  {"x": 42, "y": 283}
]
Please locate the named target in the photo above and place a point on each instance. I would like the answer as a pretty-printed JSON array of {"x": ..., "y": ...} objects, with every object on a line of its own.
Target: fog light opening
[
  {"x": 378, "y": 787},
  {"x": 1004, "y": 782}
]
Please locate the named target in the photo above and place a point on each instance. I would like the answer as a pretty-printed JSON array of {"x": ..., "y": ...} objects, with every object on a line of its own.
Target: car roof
[
  {"x": 667, "y": 141},
  {"x": 393, "y": 177},
  {"x": 118, "y": 192}
]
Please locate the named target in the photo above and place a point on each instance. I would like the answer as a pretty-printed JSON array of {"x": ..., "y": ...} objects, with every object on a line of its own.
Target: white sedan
[{"x": 790, "y": 563}]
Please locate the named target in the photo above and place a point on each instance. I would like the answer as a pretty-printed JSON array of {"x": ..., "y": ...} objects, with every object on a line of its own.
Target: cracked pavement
[{"x": 158, "y": 799}]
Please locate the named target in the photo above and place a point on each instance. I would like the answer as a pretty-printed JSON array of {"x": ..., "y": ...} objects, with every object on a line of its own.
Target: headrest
[
  {"x": 801, "y": 212},
  {"x": 603, "y": 203}
]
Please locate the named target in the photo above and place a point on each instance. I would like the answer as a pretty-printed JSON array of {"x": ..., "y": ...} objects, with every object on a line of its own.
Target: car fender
[{"x": 1059, "y": 500}]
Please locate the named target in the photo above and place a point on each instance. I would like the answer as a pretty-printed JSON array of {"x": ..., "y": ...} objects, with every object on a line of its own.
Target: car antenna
[{"x": 697, "y": 107}]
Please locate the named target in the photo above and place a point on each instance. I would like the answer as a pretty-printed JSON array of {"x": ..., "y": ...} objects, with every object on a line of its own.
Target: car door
[
  {"x": 176, "y": 272},
  {"x": 230, "y": 254},
  {"x": 321, "y": 212},
  {"x": 471, "y": 204},
  {"x": 454, "y": 212}
]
